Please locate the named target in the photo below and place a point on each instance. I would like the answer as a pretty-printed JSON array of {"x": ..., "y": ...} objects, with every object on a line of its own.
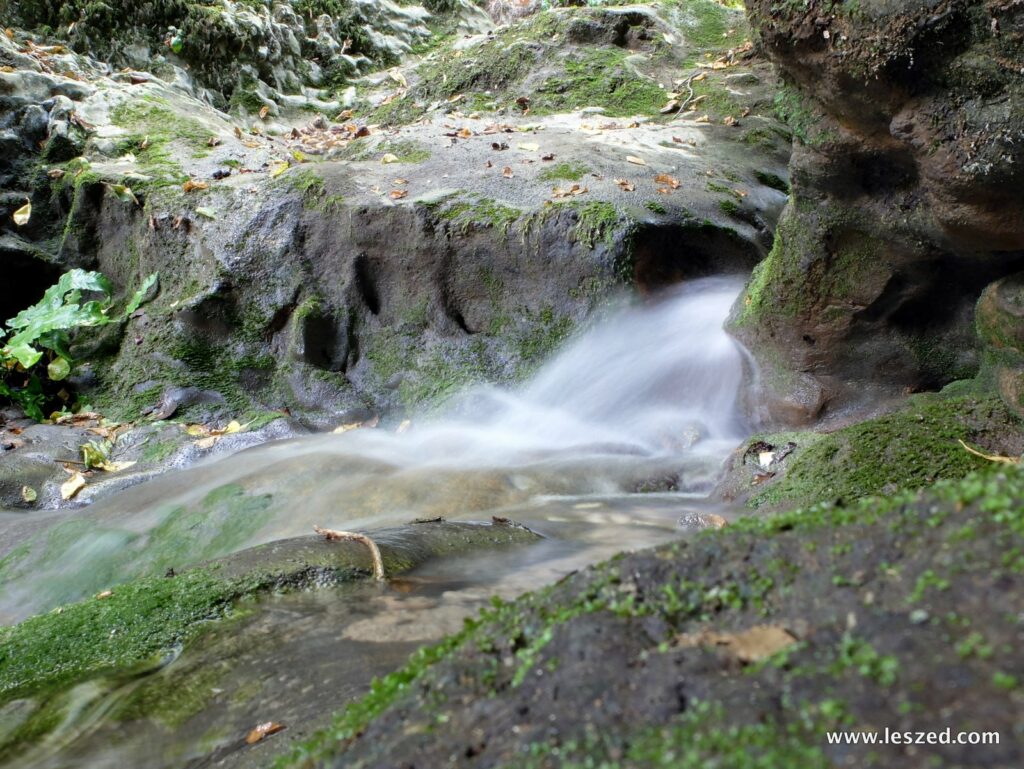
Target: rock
[
  {"x": 1000, "y": 322},
  {"x": 906, "y": 202}
]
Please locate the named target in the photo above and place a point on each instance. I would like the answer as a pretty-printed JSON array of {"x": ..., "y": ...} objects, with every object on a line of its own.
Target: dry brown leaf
[
  {"x": 507, "y": 172},
  {"x": 213, "y": 141},
  {"x": 398, "y": 194},
  {"x": 635, "y": 160},
  {"x": 666, "y": 179},
  {"x": 464, "y": 133},
  {"x": 238, "y": 132},
  {"x": 344, "y": 115},
  {"x": 729, "y": 120},
  {"x": 625, "y": 185},
  {"x": 264, "y": 111},
  {"x": 573, "y": 191},
  {"x": 399, "y": 182},
  {"x": 703, "y": 119},
  {"x": 192, "y": 185},
  {"x": 55, "y": 173},
  {"x": 747, "y": 646},
  {"x": 263, "y": 730}
]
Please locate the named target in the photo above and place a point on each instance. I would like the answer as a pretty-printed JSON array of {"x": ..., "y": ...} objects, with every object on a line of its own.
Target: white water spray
[{"x": 650, "y": 392}]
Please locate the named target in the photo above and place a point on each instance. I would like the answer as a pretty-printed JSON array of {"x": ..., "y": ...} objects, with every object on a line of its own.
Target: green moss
[
  {"x": 656, "y": 207},
  {"x": 147, "y": 617},
  {"x": 729, "y": 207},
  {"x": 157, "y": 451},
  {"x": 910, "y": 448},
  {"x": 153, "y": 118},
  {"x": 571, "y": 172},
  {"x": 772, "y": 180},
  {"x": 597, "y": 222},
  {"x": 465, "y": 213},
  {"x": 599, "y": 77}
]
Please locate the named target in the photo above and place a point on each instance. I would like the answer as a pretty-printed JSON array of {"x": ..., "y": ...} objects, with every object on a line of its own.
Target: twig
[
  {"x": 688, "y": 99},
  {"x": 58, "y": 460},
  {"x": 378, "y": 562},
  {"x": 990, "y": 457}
]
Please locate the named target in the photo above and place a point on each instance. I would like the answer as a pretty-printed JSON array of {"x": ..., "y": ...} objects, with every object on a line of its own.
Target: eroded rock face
[
  {"x": 907, "y": 195},
  {"x": 339, "y": 277}
]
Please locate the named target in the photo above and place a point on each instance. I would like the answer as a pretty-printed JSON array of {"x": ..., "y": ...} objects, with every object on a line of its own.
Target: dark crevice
[
  {"x": 664, "y": 255},
  {"x": 28, "y": 277},
  {"x": 366, "y": 285}
]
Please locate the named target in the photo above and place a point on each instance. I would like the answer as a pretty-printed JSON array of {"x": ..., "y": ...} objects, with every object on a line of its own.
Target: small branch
[
  {"x": 688, "y": 99},
  {"x": 378, "y": 562},
  {"x": 990, "y": 457}
]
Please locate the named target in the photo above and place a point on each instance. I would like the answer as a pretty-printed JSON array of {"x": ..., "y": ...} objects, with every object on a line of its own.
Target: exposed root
[
  {"x": 990, "y": 457},
  {"x": 378, "y": 562}
]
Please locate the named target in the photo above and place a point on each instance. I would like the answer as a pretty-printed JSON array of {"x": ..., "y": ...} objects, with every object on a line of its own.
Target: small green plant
[{"x": 43, "y": 332}]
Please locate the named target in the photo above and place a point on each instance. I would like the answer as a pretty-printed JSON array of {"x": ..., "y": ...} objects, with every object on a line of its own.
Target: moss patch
[{"x": 910, "y": 448}]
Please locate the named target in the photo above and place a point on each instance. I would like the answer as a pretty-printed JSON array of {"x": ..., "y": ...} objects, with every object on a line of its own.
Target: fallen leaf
[
  {"x": 55, "y": 173},
  {"x": 635, "y": 160},
  {"x": 529, "y": 146},
  {"x": 279, "y": 169},
  {"x": 507, "y": 172},
  {"x": 671, "y": 106},
  {"x": 747, "y": 646},
  {"x": 206, "y": 213},
  {"x": 192, "y": 185},
  {"x": 72, "y": 486},
  {"x": 104, "y": 594},
  {"x": 389, "y": 158},
  {"x": 730, "y": 121},
  {"x": 573, "y": 191},
  {"x": 399, "y": 182},
  {"x": 666, "y": 179},
  {"x": 23, "y": 214},
  {"x": 403, "y": 426},
  {"x": 264, "y": 111},
  {"x": 398, "y": 194},
  {"x": 207, "y": 443},
  {"x": 122, "y": 193},
  {"x": 464, "y": 133},
  {"x": 344, "y": 115},
  {"x": 238, "y": 132},
  {"x": 703, "y": 119},
  {"x": 28, "y": 494},
  {"x": 213, "y": 141},
  {"x": 399, "y": 78},
  {"x": 625, "y": 185}
]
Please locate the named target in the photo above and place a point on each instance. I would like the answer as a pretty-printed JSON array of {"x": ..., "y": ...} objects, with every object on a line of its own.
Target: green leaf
[
  {"x": 24, "y": 353},
  {"x": 142, "y": 295},
  {"x": 58, "y": 369}
]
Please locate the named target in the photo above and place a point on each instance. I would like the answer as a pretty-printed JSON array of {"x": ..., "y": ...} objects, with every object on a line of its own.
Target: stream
[{"x": 616, "y": 439}]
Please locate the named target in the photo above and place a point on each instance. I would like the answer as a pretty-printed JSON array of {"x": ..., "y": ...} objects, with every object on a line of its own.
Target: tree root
[{"x": 378, "y": 562}]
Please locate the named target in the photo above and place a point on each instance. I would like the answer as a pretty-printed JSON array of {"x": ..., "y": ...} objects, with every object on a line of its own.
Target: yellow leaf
[
  {"x": 279, "y": 169},
  {"x": 72, "y": 486},
  {"x": 232, "y": 428},
  {"x": 23, "y": 214},
  {"x": 28, "y": 494},
  {"x": 116, "y": 467},
  {"x": 389, "y": 158},
  {"x": 197, "y": 431}
]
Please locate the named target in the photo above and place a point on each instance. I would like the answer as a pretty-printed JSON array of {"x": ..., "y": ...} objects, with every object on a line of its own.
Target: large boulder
[{"x": 907, "y": 178}]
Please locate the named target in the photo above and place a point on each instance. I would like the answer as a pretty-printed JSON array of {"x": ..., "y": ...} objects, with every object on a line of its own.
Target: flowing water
[{"x": 645, "y": 401}]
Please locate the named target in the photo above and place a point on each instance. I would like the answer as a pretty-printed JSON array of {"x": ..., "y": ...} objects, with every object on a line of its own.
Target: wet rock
[
  {"x": 906, "y": 176},
  {"x": 1000, "y": 322}
]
